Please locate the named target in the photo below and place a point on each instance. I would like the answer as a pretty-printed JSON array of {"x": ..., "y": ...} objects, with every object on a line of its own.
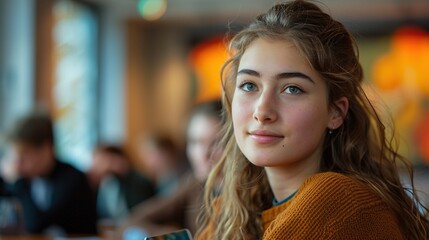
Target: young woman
[{"x": 307, "y": 156}]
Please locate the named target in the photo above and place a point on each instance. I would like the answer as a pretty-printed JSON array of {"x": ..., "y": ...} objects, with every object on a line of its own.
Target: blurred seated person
[
  {"x": 121, "y": 187},
  {"x": 166, "y": 214},
  {"x": 163, "y": 162},
  {"x": 56, "y": 197}
]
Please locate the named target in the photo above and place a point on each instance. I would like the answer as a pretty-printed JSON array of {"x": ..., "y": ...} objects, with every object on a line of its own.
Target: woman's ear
[{"x": 338, "y": 113}]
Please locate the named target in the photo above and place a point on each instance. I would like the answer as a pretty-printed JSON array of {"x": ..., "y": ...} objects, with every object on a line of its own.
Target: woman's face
[
  {"x": 202, "y": 134},
  {"x": 279, "y": 109}
]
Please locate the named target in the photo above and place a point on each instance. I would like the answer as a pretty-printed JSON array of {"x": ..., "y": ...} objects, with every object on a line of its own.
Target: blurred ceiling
[{"x": 232, "y": 10}]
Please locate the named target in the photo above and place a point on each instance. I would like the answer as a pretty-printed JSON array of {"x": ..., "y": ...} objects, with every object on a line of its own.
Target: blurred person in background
[
  {"x": 56, "y": 197},
  {"x": 163, "y": 162},
  {"x": 180, "y": 210},
  {"x": 121, "y": 186},
  {"x": 98, "y": 170}
]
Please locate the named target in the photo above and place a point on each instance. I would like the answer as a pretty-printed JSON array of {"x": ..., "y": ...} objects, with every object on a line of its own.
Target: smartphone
[{"x": 183, "y": 234}]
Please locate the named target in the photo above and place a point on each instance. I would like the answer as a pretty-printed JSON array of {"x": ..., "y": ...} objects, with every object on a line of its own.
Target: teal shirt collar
[{"x": 277, "y": 203}]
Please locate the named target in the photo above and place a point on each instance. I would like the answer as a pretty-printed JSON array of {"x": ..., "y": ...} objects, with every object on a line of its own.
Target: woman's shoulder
[
  {"x": 324, "y": 191},
  {"x": 331, "y": 187},
  {"x": 326, "y": 178},
  {"x": 330, "y": 205},
  {"x": 331, "y": 178}
]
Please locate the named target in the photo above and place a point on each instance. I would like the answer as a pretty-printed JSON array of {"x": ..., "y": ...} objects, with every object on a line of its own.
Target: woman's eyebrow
[
  {"x": 278, "y": 76},
  {"x": 294, "y": 75},
  {"x": 248, "y": 72}
]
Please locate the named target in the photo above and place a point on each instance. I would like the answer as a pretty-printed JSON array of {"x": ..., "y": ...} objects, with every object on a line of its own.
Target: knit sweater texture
[{"x": 329, "y": 206}]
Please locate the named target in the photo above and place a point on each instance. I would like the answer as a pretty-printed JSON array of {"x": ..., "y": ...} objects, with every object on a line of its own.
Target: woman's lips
[{"x": 265, "y": 136}]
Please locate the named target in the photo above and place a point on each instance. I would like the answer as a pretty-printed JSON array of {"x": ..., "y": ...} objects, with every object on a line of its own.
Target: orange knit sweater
[{"x": 329, "y": 206}]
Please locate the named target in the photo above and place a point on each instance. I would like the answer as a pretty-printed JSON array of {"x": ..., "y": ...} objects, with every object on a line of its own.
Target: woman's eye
[
  {"x": 248, "y": 87},
  {"x": 293, "y": 90}
]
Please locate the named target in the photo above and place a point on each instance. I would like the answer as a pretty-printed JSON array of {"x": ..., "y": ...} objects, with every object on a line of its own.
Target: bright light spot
[{"x": 152, "y": 9}]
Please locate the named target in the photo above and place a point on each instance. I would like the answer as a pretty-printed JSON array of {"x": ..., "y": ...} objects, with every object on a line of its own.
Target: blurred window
[{"x": 74, "y": 86}]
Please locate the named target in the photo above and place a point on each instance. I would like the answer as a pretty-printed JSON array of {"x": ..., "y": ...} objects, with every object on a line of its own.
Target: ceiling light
[{"x": 152, "y": 9}]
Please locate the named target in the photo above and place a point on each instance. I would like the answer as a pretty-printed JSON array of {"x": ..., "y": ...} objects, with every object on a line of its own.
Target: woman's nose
[{"x": 265, "y": 109}]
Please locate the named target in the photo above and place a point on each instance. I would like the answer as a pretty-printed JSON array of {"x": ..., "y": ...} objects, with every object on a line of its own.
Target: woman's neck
[{"x": 284, "y": 181}]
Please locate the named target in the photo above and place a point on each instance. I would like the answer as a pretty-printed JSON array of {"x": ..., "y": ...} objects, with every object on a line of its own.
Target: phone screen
[{"x": 179, "y": 235}]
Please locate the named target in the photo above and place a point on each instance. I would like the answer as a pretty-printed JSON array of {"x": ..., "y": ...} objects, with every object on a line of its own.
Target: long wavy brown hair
[{"x": 361, "y": 148}]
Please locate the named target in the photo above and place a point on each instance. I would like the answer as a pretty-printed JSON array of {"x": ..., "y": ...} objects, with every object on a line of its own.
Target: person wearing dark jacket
[
  {"x": 56, "y": 197},
  {"x": 121, "y": 186}
]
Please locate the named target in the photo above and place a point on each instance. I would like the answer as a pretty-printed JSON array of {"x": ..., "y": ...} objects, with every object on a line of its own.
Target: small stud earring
[{"x": 330, "y": 131}]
